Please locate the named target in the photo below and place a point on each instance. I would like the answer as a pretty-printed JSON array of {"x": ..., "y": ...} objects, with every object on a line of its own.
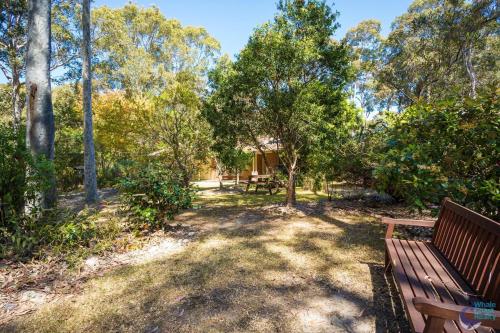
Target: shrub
[
  {"x": 21, "y": 176},
  {"x": 155, "y": 195},
  {"x": 58, "y": 232},
  {"x": 444, "y": 149},
  {"x": 68, "y": 136},
  {"x": 13, "y": 159}
]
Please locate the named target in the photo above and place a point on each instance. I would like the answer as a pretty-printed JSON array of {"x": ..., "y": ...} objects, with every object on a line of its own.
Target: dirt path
[{"x": 250, "y": 268}]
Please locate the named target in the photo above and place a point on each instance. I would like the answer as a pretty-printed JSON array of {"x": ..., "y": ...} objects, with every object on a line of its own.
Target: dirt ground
[{"x": 248, "y": 266}]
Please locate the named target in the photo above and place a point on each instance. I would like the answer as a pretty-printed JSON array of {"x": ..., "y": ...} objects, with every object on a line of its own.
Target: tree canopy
[
  {"x": 151, "y": 51},
  {"x": 287, "y": 83}
]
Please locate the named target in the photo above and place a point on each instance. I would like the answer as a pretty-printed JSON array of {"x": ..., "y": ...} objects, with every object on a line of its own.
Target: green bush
[
  {"x": 58, "y": 232},
  {"x": 21, "y": 176},
  {"x": 444, "y": 149},
  {"x": 68, "y": 137},
  {"x": 13, "y": 160},
  {"x": 155, "y": 195}
]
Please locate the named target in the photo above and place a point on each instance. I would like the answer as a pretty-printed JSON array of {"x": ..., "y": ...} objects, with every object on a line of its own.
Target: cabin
[{"x": 257, "y": 166}]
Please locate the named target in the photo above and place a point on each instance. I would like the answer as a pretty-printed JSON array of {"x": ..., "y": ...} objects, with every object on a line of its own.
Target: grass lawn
[{"x": 248, "y": 269}]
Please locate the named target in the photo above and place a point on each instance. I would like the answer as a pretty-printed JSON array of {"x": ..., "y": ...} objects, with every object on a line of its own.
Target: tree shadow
[
  {"x": 390, "y": 315},
  {"x": 230, "y": 280}
]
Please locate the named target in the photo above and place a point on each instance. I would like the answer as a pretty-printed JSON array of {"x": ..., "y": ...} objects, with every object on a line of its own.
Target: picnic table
[{"x": 269, "y": 182}]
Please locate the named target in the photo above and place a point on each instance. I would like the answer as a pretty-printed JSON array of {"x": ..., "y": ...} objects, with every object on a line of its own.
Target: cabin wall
[{"x": 209, "y": 171}]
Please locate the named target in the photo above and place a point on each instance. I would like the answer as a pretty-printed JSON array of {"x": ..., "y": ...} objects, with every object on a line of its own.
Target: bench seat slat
[
  {"x": 417, "y": 321},
  {"x": 455, "y": 286},
  {"x": 422, "y": 282},
  {"x": 411, "y": 262},
  {"x": 460, "y": 266},
  {"x": 437, "y": 275}
]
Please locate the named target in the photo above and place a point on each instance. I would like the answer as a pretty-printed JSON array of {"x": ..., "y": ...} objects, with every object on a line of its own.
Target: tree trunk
[
  {"x": 290, "y": 190},
  {"x": 220, "y": 173},
  {"x": 16, "y": 99},
  {"x": 40, "y": 118},
  {"x": 221, "y": 185},
  {"x": 470, "y": 70},
  {"x": 186, "y": 179},
  {"x": 90, "y": 178}
]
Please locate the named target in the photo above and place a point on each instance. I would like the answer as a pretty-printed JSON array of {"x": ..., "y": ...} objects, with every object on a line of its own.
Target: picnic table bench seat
[
  {"x": 440, "y": 280},
  {"x": 269, "y": 182}
]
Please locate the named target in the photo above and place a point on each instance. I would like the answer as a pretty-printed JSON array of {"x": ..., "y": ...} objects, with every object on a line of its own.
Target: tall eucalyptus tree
[
  {"x": 40, "y": 127},
  {"x": 13, "y": 16},
  {"x": 90, "y": 180}
]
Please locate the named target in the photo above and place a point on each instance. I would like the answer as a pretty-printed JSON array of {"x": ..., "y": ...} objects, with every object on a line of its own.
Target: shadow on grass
[
  {"x": 243, "y": 273},
  {"x": 252, "y": 198},
  {"x": 391, "y": 315}
]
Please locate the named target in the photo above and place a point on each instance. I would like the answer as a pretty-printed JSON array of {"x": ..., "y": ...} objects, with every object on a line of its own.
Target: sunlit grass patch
[
  {"x": 252, "y": 198},
  {"x": 246, "y": 270}
]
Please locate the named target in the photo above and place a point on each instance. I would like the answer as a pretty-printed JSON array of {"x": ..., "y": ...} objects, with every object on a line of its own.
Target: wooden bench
[{"x": 439, "y": 280}]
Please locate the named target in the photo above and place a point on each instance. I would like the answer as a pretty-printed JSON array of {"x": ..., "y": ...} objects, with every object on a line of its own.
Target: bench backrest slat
[{"x": 471, "y": 243}]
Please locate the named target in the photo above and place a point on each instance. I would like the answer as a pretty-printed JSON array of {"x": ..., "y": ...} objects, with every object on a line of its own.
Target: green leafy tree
[
  {"x": 13, "y": 24},
  {"x": 66, "y": 41},
  {"x": 229, "y": 133},
  {"x": 365, "y": 41},
  {"x": 342, "y": 154},
  {"x": 287, "y": 83},
  {"x": 436, "y": 46},
  {"x": 178, "y": 128},
  {"x": 447, "y": 148},
  {"x": 152, "y": 49},
  {"x": 13, "y": 42}
]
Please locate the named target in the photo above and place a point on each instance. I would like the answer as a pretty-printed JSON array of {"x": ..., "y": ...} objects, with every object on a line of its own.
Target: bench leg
[
  {"x": 434, "y": 325},
  {"x": 388, "y": 265},
  {"x": 248, "y": 186}
]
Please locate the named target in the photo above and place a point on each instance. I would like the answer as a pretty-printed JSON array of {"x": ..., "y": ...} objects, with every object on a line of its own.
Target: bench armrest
[
  {"x": 450, "y": 311},
  {"x": 392, "y": 222}
]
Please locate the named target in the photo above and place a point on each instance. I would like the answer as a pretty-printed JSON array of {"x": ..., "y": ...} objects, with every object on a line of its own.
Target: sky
[{"x": 232, "y": 21}]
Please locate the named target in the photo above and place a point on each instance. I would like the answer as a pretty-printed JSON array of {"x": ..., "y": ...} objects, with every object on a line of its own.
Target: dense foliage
[
  {"x": 286, "y": 84},
  {"x": 155, "y": 195},
  {"x": 21, "y": 175},
  {"x": 444, "y": 149},
  {"x": 69, "y": 137},
  {"x": 21, "y": 179}
]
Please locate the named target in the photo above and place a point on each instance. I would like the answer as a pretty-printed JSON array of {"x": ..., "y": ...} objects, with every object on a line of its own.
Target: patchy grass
[
  {"x": 249, "y": 269},
  {"x": 215, "y": 198},
  {"x": 70, "y": 232}
]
